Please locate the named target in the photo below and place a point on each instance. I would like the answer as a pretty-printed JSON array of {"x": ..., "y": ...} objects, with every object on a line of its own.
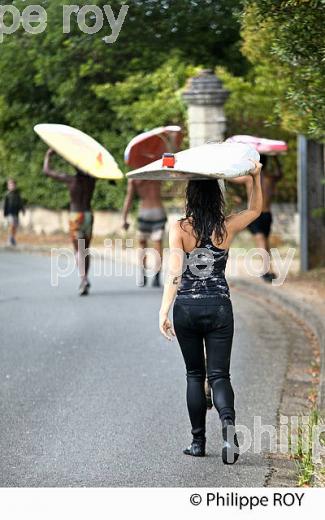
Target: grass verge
[{"x": 309, "y": 472}]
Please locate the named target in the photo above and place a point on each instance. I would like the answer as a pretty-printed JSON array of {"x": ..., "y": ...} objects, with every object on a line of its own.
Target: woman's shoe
[
  {"x": 197, "y": 448},
  {"x": 230, "y": 449}
]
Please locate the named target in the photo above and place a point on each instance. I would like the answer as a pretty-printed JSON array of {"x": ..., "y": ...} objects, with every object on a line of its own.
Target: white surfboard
[
  {"x": 80, "y": 150},
  {"x": 213, "y": 160}
]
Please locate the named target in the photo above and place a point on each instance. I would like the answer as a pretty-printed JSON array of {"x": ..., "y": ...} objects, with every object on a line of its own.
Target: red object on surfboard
[
  {"x": 262, "y": 145},
  {"x": 150, "y": 146},
  {"x": 168, "y": 160}
]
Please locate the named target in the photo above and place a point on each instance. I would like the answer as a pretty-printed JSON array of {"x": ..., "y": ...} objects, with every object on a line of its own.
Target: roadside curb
[{"x": 304, "y": 311}]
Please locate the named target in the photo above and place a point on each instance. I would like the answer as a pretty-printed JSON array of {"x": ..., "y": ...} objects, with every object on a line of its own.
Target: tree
[
  {"x": 77, "y": 79},
  {"x": 286, "y": 41},
  {"x": 291, "y": 46},
  {"x": 250, "y": 110}
]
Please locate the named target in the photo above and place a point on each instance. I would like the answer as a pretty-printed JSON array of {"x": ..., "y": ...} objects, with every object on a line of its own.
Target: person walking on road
[
  {"x": 13, "y": 205},
  {"x": 81, "y": 189},
  {"x": 202, "y": 311},
  {"x": 261, "y": 227},
  {"x": 151, "y": 218}
]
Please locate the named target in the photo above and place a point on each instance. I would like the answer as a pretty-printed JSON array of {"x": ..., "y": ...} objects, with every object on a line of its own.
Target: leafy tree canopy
[
  {"x": 110, "y": 91},
  {"x": 286, "y": 41}
]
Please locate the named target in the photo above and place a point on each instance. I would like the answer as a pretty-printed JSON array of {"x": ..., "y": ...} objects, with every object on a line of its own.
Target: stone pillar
[{"x": 205, "y": 97}]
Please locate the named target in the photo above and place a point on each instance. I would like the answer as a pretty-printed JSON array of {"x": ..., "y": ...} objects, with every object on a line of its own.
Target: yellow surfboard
[{"x": 80, "y": 150}]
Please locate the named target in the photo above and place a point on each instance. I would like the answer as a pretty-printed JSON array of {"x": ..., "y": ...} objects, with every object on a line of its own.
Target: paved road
[{"x": 92, "y": 395}]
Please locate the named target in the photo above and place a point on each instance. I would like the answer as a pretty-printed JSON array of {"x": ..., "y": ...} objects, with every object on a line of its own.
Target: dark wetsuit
[
  {"x": 203, "y": 315},
  {"x": 262, "y": 224}
]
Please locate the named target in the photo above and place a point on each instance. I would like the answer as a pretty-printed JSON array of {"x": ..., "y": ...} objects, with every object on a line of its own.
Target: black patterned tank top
[{"x": 204, "y": 273}]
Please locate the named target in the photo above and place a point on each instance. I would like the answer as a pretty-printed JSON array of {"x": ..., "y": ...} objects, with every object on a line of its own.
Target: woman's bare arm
[
  {"x": 239, "y": 221},
  {"x": 173, "y": 278}
]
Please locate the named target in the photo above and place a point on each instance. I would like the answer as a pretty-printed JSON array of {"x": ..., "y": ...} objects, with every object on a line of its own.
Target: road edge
[
  {"x": 304, "y": 312},
  {"x": 288, "y": 471}
]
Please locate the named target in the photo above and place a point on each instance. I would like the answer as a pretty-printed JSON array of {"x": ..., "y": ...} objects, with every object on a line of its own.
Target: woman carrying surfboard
[{"x": 203, "y": 310}]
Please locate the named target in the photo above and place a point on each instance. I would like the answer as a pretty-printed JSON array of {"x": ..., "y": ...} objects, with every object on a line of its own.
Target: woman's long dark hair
[{"x": 204, "y": 209}]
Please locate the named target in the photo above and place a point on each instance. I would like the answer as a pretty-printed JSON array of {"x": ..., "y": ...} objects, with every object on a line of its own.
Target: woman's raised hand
[{"x": 257, "y": 168}]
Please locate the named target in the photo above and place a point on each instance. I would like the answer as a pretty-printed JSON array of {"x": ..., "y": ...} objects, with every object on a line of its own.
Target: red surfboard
[{"x": 150, "y": 146}]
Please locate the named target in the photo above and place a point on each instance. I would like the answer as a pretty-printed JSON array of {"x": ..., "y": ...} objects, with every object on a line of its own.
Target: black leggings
[{"x": 210, "y": 322}]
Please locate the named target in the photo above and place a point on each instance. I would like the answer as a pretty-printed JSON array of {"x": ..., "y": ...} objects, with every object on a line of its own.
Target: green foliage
[
  {"x": 283, "y": 93},
  {"x": 249, "y": 105},
  {"x": 142, "y": 99},
  {"x": 109, "y": 91},
  {"x": 249, "y": 110},
  {"x": 286, "y": 41},
  {"x": 304, "y": 448}
]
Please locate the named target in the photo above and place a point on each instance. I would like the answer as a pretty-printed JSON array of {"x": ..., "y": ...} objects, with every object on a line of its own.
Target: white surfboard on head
[
  {"x": 80, "y": 150},
  {"x": 209, "y": 161}
]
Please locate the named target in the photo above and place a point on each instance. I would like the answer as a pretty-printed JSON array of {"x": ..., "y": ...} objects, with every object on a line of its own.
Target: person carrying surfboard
[
  {"x": 151, "y": 217},
  {"x": 202, "y": 311},
  {"x": 13, "y": 205},
  {"x": 81, "y": 189},
  {"x": 261, "y": 227}
]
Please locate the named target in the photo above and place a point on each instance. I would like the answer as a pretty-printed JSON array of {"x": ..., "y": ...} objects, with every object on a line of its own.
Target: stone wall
[
  {"x": 43, "y": 221},
  {"x": 286, "y": 221}
]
